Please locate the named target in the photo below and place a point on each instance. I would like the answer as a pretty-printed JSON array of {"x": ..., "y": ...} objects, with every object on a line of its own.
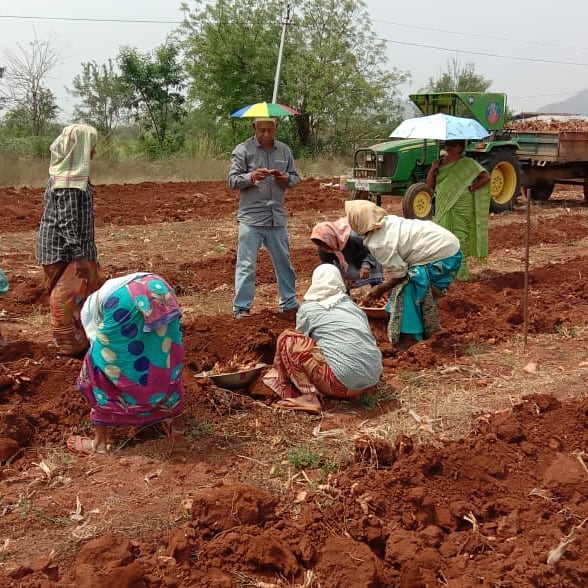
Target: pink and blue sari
[{"x": 132, "y": 374}]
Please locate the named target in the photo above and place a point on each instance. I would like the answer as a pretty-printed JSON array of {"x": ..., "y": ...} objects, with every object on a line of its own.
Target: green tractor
[{"x": 399, "y": 166}]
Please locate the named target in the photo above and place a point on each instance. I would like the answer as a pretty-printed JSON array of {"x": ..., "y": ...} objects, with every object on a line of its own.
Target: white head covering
[
  {"x": 327, "y": 286},
  {"x": 92, "y": 310},
  {"x": 71, "y": 153}
]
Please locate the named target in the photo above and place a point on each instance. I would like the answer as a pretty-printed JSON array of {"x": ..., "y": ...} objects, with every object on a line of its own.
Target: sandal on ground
[
  {"x": 173, "y": 429},
  {"x": 300, "y": 404},
  {"x": 83, "y": 446}
]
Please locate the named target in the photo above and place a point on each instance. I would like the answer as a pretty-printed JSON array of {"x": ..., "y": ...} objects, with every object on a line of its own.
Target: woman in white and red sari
[{"x": 332, "y": 351}]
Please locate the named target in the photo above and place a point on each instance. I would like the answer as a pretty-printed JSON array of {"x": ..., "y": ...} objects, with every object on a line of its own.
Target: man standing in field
[{"x": 261, "y": 169}]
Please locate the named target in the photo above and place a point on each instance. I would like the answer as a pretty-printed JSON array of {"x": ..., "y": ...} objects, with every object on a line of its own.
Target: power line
[
  {"x": 388, "y": 22},
  {"x": 405, "y": 43},
  {"x": 461, "y": 33},
  {"x": 483, "y": 54},
  {"x": 67, "y": 18}
]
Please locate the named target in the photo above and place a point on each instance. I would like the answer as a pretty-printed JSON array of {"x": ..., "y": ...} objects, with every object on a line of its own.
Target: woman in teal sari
[
  {"x": 421, "y": 259},
  {"x": 462, "y": 201}
]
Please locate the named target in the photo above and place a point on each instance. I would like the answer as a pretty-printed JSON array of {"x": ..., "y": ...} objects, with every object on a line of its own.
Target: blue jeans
[
  {"x": 275, "y": 240},
  {"x": 352, "y": 272}
]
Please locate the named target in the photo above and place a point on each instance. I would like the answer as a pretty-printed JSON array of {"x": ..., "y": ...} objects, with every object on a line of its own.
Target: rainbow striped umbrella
[{"x": 264, "y": 110}]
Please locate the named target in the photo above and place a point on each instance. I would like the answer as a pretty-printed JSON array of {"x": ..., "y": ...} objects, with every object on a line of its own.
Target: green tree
[
  {"x": 23, "y": 121},
  {"x": 336, "y": 76},
  {"x": 156, "y": 85},
  {"x": 26, "y": 96},
  {"x": 458, "y": 77},
  {"x": 333, "y": 70},
  {"x": 231, "y": 52},
  {"x": 103, "y": 96}
]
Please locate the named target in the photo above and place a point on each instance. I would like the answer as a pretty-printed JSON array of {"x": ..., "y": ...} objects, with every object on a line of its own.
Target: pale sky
[{"x": 534, "y": 51}]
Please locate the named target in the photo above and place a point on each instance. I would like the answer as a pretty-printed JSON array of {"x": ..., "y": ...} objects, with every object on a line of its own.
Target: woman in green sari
[{"x": 462, "y": 201}]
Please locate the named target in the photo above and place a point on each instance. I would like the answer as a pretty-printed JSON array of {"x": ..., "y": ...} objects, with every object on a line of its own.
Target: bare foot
[{"x": 307, "y": 403}]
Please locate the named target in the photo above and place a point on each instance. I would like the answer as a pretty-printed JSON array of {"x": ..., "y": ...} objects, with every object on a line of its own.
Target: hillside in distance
[{"x": 577, "y": 104}]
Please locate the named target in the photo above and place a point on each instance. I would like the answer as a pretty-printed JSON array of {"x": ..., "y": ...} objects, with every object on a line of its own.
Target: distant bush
[
  {"x": 35, "y": 147},
  {"x": 203, "y": 146},
  {"x": 125, "y": 146}
]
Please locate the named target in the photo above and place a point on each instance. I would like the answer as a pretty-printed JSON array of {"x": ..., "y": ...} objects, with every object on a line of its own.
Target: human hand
[
  {"x": 367, "y": 300},
  {"x": 282, "y": 177},
  {"x": 261, "y": 173},
  {"x": 372, "y": 295},
  {"x": 82, "y": 268},
  {"x": 436, "y": 165},
  {"x": 364, "y": 273}
]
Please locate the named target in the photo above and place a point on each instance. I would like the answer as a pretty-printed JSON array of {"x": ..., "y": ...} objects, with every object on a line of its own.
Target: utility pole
[{"x": 285, "y": 23}]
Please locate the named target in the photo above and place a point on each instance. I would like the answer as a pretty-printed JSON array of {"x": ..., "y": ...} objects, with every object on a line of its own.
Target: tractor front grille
[{"x": 370, "y": 164}]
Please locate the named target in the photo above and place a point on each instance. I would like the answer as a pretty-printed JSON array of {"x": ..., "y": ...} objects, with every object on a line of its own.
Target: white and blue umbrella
[{"x": 442, "y": 127}]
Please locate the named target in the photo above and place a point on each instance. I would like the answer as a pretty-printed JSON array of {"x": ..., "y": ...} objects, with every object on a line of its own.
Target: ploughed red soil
[{"x": 257, "y": 496}]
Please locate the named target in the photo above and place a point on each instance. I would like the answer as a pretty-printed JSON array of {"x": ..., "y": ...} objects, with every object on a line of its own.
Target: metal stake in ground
[{"x": 526, "y": 286}]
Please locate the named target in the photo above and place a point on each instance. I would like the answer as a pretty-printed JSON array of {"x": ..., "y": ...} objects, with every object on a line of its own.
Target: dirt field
[{"x": 460, "y": 469}]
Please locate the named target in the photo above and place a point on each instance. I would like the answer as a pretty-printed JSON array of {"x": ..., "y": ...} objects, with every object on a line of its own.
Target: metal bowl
[
  {"x": 234, "y": 380},
  {"x": 375, "y": 312}
]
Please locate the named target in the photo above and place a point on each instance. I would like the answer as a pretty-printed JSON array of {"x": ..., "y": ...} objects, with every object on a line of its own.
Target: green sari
[{"x": 462, "y": 212}]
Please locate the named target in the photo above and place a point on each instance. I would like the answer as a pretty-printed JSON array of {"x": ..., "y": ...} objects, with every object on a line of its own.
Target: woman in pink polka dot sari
[{"x": 132, "y": 373}]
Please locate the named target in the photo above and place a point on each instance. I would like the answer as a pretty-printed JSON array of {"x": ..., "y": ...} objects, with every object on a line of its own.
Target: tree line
[{"x": 177, "y": 98}]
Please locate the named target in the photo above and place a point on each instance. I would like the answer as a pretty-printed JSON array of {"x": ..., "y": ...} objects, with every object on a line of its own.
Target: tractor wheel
[
  {"x": 541, "y": 190},
  {"x": 505, "y": 178},
  {"x": 418, "y": 202},
  {"x": 365, "y": 195}
]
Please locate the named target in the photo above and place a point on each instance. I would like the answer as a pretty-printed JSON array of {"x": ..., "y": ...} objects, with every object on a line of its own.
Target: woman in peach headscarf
[{"x": 338, "y": 244}]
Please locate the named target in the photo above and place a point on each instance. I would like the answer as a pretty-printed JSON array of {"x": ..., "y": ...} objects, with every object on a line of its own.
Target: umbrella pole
[
  {"x": 526, "y": 286},
  {"x": 285, "y": 23}
]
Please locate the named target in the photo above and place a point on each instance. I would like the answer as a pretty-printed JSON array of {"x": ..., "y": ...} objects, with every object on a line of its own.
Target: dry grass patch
[
  {"x": 490, "y": 382},
  {"x": 17, "y": 170},
  {"x": 243, "y": 580},
  {"x": 38, "y": 321}
]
